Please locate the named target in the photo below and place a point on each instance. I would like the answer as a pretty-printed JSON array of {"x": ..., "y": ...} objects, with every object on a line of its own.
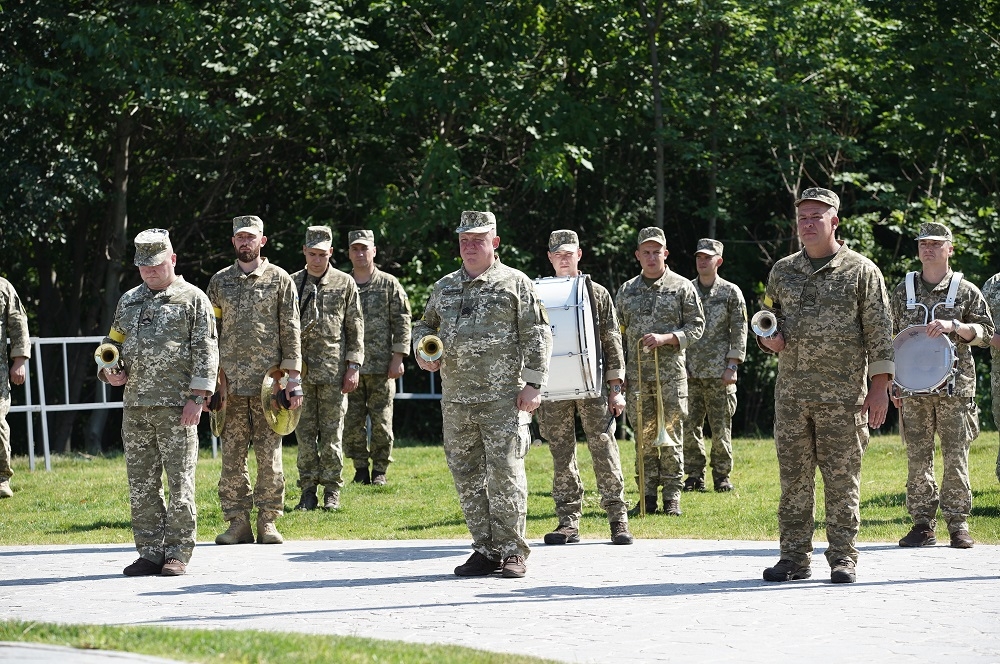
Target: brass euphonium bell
[
  {"x": 108, "y": 358},
  {"x": 430, "y": 348}
]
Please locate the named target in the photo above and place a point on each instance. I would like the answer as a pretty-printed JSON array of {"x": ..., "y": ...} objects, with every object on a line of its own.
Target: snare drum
[
  {"x": 576, "y": 367},
  {"x": 924, "y": 365}
]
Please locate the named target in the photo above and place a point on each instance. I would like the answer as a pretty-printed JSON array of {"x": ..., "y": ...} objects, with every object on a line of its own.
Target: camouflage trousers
[
  {"x": 373, "y": 398},
  {"x": 320, "y": 458},
  {"x": 246, "y": 427},
  {"x": 833, "y": 437},
  {"x": 708, "y": 397},
  {"x": 5, "y": 472},
  {"x": 156, "y": 443},
  {"x": 485, "y": 445},
  {"x": 956, "y": 422},
  {"x": 557, "y": 424},
  {"x": 663, "y": 463}
]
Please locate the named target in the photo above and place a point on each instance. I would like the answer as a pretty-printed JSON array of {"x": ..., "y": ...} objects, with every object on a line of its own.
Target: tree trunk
[{"x": 653, "y": 21}]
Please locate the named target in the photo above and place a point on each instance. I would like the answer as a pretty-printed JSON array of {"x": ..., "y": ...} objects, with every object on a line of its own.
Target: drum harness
[{"x": 948, "y": 302}]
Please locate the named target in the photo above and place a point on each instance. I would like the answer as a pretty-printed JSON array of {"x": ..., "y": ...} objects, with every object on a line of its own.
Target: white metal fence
[{"x": 37, "y": 401}]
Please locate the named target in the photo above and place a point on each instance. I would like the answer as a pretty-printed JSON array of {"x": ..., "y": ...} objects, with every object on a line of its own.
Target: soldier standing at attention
[
  {"x": 712, "y": 364},
  {"x": 991, "y": 292},
  {"x": 333, "y": 331},
  {"x": 557, "y": 419},
  {"x": 496, "y": 341},
  {"x": 659, "y": 309},
  {"x": 387, "y": 342},
  {"x": 960, "y": 312},
  {"x": 165, "y": 332},
  {"x": 834, "y": 332},
  {"x": 13, "y": 324},
  {"x": 257, "y": 309}
]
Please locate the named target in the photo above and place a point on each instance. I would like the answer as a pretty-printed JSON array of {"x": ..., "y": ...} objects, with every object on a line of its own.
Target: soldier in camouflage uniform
[
  {"x": 165, "y": 333},
  {"x": 13, "y": 324},
  {"x": 660, "y": 310},
  {"x": 257, "y": 309},
  {"x": 952, "y": 413},
  {"x": 333, "y": 331},
  {"x": 387, "y": 342},
  {"x": 834, "y": 331},
  {"x": 712, "y": 364},
  {"x": 496, "y": 344},
  {"x": 991, "y": 292},
  {"x": 557, "y": 419}
]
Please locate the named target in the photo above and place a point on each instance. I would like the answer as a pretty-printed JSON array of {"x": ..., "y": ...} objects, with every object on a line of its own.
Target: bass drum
[
  {"x": 924, "y": 365},
  {"x": 576, "y": 368}
]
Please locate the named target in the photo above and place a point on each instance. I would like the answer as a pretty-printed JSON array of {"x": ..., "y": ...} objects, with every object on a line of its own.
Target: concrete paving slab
[{"x": 654, "y": 601}]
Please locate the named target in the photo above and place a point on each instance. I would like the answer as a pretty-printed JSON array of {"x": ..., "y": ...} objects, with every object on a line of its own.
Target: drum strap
[
  {"x": 956, "y": 281},
  {"x": 911, "y": 291},
  {"x": 949, "y": 301}
]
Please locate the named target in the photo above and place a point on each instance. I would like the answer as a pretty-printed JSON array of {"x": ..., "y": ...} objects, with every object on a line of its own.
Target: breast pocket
[
  {"x": 331, "y": 310},
  {"x": 171, "y": 323}
]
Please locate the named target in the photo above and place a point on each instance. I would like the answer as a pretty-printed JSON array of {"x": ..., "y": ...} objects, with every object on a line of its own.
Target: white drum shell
[
  {"x": 575, "y": 367},
  {"x": 924, "y": 365}
]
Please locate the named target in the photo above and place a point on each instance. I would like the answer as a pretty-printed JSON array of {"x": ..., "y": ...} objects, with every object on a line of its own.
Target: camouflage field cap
[
  {"x": 709, "y": 246},
  {"x": 819, "y": 194},
  {"x": 933, "y": 230},
  {"x": 477, "y": 222},
  {"x": 152, "y": 247},
  {"x": 563, "y": 240},
  {"x": 319, "y": 237},
  {"x": 361, "y": 237},
  {"x": 248, "y": 224},
  {"x": 652, "y": 234}
]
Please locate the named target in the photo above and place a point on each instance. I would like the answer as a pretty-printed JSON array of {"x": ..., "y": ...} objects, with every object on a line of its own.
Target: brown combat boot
[
  {"x": 173, "y": 567},
  {"x": 267, "y": 532},
  {"x": 620, "y": 533},
  {"x": 238, "y": 532},
  {"x": 331, "y": 499},
  {"x": 308, "y": 501},
  {"x": 672, "y": 507}
]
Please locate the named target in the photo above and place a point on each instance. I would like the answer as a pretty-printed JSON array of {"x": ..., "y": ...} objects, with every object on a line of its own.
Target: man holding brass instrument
[
  {"x": 661, "y": 316},
  {"x": 557, "y": 419},
  {"x": 333, "y": 331},
  {"x": 832, "y": 313},
  {"x": 387, "y": 342},
  {"x": 164, "y": 336},
  {"x": 496, "y": 345},
  {"x": 949, "y": 311},
  {"x": 13, "y": 324},
  {"x": 257, "y": 309}
]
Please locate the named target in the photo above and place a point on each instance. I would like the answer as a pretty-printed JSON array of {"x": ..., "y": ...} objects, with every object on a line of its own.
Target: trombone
[{"x": 662, "y": 439}]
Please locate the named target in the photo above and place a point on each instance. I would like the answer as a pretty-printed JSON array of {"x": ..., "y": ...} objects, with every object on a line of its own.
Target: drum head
[
  {"x": 575, "y": 363},
  {"x": 923, "y": 364}
]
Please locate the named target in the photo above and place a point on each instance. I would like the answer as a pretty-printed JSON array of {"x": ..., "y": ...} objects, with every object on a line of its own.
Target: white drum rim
[{"x": 944, "y": 373}]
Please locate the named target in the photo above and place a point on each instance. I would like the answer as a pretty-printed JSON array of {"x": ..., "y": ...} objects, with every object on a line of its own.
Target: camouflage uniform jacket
[
  {"x": 333, "y": 327},
  {"x": 611, "y": 336},
  {"x": 991, "y": 293},
  {"x": 670, "y": 305},
  {"x": 258, "y": 324},
  {"x": 168, "y": 343},
  {"x": 725, "y": 335},
  {"x": 13, "y": 324},
  {"x": 970, "y": 308},
  {"x": 494, "y": 330},
  {"x": 387, "y": 321},
  {"x": 836, "y": 325}
]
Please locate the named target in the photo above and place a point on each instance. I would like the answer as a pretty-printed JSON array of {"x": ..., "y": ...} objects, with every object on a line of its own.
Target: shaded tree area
[{"x": 397, "y": 115}]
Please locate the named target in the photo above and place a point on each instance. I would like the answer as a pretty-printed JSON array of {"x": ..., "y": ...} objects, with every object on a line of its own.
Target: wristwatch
[
  {"x": 733, "y": 366},
  {"x": 537, "y": 386},
  {"x": 354, "y": 365},
  {"x": 197, "y": 398},
  {"x": 616, "y": 388}
]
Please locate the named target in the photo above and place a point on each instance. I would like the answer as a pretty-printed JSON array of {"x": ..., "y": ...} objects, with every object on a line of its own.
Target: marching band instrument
[
  {"x": 108, "y": 358},
  {"x": 576, "y": 365},
  {"x": 639, "y": 433},
  {"x": 277, "y": 407},
  {"x": 662, "y": 439},
  {"x": 924, "y": 365},
  {"x": 430, "y": 348},
  {"x": 764, "y": 324}
]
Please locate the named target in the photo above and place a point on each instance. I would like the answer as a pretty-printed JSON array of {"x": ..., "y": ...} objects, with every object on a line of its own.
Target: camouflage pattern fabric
[
  {"x": 609, "y": 329},
  {"x": 246, "y": 427},
  {"x": 373, "y": 397},
  {"x": 333, "y": 330},
  {"x": 157, "y": 443},
  {"x": 663, "y": 465},
  {"x": 320, "y": 458},
  {"x": 557, "y": 424},
  {"x": 13, "y": 325},
  {"x": 956, "y": 421},
  {"x": 387, "y": 321},
  {"x": 991, "y": 293},
  {"x": 709, "y": 398},
  {"x": 485, "y": 445},
  {"x": 833, "y": 437},
  {"x": 496, "y": 338},
  {"x": 836, "y": 324},
  {"x": 670, "y": 305},
  {"x": 258, "y": 324}
]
